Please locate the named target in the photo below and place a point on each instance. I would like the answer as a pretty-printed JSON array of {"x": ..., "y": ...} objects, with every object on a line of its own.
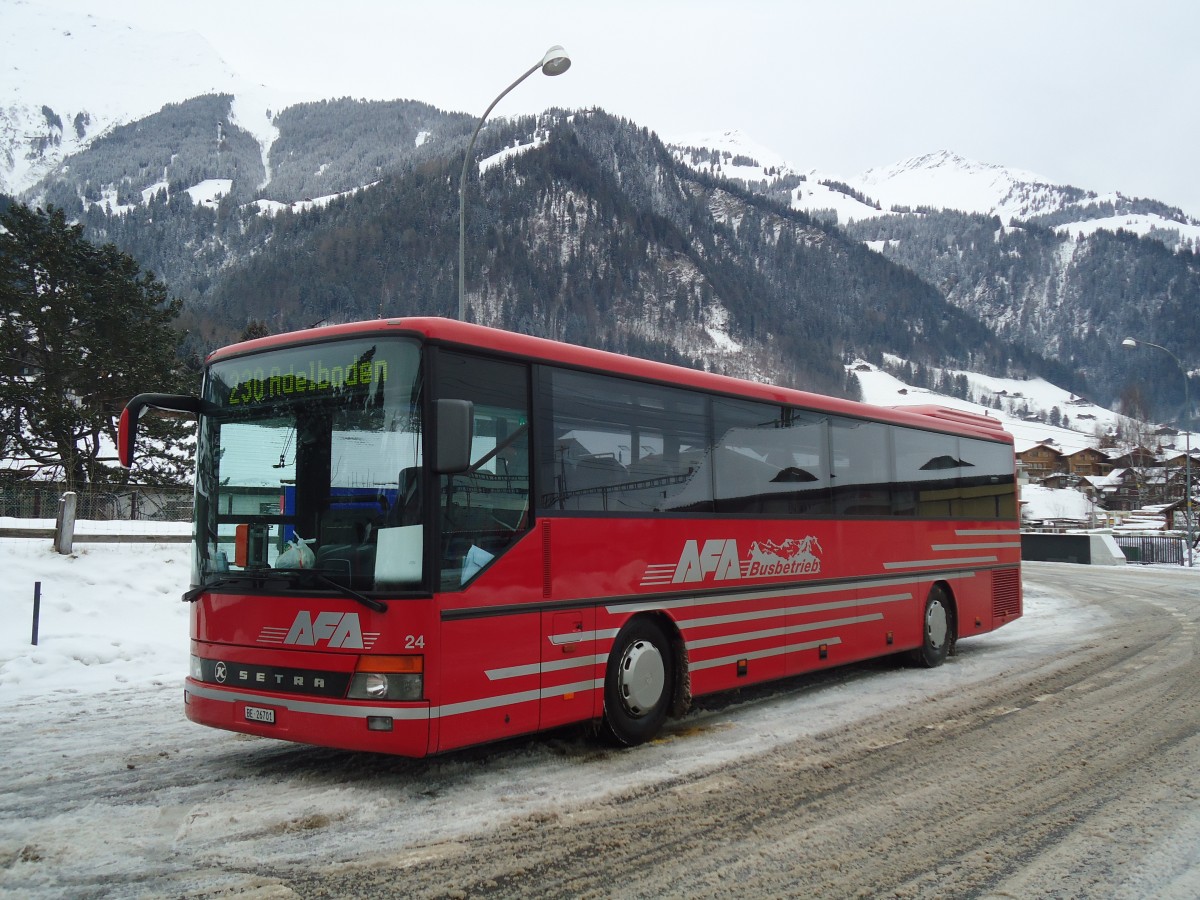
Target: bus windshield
[{"x": 308, "y": 459}]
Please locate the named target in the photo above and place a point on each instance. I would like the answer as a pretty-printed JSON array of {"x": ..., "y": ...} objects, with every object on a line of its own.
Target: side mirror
[
  {"x": 127, "y": 429},
  {"x": 454, "y": 436}
]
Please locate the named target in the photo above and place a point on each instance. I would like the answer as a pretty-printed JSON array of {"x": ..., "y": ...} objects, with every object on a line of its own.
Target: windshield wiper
[
  {"x": 259, "y": 576},
  {"x": 194, "y": 594},
  {"x": 366, "y": 601}
]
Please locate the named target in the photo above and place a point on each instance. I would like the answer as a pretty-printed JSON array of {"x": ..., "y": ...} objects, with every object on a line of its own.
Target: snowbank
[{"x": 111, "y": 614}]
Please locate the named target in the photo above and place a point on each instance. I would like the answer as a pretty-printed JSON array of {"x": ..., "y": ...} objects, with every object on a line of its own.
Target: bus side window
[
  {"x": 862, "y": 469},
  {"x": 988, "y": 481},
  {"x": 928, "y": 472},
  {"x": 484, "y": 510},
  {"x": 770, "y": 461},
  {"x": 621, "y": 446}
]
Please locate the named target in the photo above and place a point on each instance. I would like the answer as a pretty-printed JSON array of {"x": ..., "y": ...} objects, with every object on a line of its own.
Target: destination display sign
[
  {"x": 305, "y": 373},
  {"x": 260, "y": 385}
]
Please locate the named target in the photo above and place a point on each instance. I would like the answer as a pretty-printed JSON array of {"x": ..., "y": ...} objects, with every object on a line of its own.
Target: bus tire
[
  {"x": 937, "y": 629},
  {"x": 638, "y": 683}
]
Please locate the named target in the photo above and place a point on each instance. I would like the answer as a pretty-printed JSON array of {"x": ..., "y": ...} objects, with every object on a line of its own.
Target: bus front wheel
[
  {"x": 937, "y": 629},
  {"x": 638, "y": 683}
]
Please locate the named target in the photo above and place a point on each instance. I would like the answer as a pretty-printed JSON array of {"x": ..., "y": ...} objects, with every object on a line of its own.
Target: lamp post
[
  {"x": 554, "y": 62},
  {"x": 1187, "y": 463}
]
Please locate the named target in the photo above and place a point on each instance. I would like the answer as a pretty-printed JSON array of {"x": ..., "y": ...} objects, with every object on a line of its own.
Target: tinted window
[
  {"x": 988, "y": 482},
  {"x": 928, "y": 469},
  {"x": 614, "y": 445},
  {"x": 620, "y": 446},
  {"x": 770, "y": 461},
  {"x": 861, "y": 468}
]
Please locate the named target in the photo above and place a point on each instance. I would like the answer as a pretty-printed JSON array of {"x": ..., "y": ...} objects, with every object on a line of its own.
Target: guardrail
[
  {"x": 1151, "y": 549},
  {"x": 64, "y": 536}
]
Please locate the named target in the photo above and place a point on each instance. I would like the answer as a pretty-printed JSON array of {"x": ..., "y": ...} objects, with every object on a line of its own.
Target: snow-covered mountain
[
  {"x": 933, "y": 181},
  {"x": 946, "y": 180},
  {"x": 70, "y": 77},
  {"x": 730, "y": 154}
]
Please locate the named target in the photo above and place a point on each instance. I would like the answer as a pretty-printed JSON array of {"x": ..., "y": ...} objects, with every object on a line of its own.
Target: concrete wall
[{"x": 1087, "y": 549}]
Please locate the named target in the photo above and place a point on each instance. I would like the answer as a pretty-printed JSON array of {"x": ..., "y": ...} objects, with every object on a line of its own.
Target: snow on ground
[
  {"x": 1042, "y": 503},
  {"x": 814, "y": 196},
  {"x": 110, "y": 613},
  {"x": 1142, "y": 225},
  {"x": 210, "y": 191},
  {"x": 741, "y": 156},
  {"x": 517, "y": 148},
  {"x": 271, "y": 207}
]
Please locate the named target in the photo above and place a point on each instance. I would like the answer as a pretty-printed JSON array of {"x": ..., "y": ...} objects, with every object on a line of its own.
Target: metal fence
[
  {"x": 1148, "y": 549},
  {"x": 24, "y": 500}
]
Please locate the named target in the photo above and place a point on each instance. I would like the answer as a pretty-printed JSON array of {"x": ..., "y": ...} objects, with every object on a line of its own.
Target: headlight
[
  {"x": 388, "y": 678},
  {"x": 375, "y": 684}
]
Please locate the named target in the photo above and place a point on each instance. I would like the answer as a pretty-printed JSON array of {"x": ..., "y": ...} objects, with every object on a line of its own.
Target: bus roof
[{"x": 481, "y": 337}]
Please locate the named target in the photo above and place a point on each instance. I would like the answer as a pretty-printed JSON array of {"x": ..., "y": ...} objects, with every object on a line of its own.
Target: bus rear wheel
[
  {"x": 638, "y": 683},
  {"x": 937, "y": 629}
]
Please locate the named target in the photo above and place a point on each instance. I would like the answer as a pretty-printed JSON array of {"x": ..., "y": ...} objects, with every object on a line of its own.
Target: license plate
[{"x": 258, "y": 714}]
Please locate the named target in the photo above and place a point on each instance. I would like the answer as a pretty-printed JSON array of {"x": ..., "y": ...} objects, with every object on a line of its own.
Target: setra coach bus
[{"x": 413, "y": 535}]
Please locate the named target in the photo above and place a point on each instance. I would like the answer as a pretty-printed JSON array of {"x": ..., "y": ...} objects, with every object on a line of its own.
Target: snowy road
[{"x": 1057, "y": 757}]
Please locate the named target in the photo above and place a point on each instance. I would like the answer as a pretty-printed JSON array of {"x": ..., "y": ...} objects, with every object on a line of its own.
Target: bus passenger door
[{"x": 569, "y": 667}]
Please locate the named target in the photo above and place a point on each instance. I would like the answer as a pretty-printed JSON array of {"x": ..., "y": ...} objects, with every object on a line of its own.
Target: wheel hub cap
[
  {"x": 936, "y": 624},
  {"x": 643, "y": 677}
]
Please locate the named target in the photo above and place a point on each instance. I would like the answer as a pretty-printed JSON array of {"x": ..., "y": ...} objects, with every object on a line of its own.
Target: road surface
[{"x": 1072, "y": 772}]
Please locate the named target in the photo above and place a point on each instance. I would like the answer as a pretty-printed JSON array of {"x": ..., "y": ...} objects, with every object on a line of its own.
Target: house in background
[
  {"x": 1088, "y": 461},
  {"x": 1041, "y": 461}
]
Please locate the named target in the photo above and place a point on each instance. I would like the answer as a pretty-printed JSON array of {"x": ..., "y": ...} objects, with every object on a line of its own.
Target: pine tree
[{"x": 83, "y": 330}]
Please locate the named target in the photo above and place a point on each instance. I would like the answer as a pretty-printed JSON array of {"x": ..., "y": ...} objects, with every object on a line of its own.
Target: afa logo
[
  {"x": 335, "y": 630},
  {"x": 718, "y": 559}
]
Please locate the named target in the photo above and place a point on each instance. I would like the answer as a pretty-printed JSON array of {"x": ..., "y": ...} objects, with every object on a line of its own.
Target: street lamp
[
  {"x": 1187, "y": 463},
  {"x": 555, "y": 62}
]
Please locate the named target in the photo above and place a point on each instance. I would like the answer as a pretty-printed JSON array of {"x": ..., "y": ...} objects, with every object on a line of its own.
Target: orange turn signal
[{"x": 391, "y": 664}]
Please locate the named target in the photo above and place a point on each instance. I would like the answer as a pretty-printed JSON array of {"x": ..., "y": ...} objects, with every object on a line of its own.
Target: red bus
[{"x": 413, "y": 535}]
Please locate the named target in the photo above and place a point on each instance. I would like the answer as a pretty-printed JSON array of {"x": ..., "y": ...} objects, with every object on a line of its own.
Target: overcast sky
[{"x": 1095, "y": 93}]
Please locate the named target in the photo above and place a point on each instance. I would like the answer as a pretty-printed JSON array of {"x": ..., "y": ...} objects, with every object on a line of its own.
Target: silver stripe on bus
[
  {"x": 342, "y": 710},
  {"x": 538, "y": 668},
  {"x": 884, "y": 598},
  {"x": 470, "y": 706},
  {"x": 788, "y": 611},
  {"x": 950, "y": 561},
  {"x": 965, "y": 532},
  {"x": 761, "y": 654},
  {"x": 781, "y": 632},
  {"x": 339, "y": 708},
  {"x": 652, "y": 605},
  {"x": 578, "y": 637},
  {"x": 997, "y": 546},
  {"x": 684, "y": 624}
]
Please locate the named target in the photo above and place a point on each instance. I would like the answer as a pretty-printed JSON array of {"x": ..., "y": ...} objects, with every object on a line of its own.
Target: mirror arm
[{"x": 127, "y": 430}]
